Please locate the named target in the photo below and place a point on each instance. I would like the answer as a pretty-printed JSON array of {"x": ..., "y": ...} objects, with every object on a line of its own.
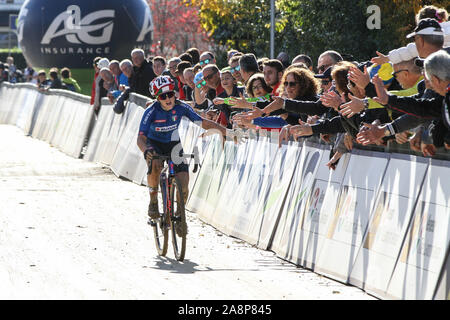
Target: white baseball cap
[{"x": 103, "y": 63}]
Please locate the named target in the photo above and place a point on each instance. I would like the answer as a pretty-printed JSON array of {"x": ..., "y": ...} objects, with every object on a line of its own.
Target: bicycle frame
[{"x": 166, "y": 186}]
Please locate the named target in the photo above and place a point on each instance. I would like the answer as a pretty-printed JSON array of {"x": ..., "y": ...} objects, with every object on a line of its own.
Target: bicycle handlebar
[{"x": 167, "y": 158}]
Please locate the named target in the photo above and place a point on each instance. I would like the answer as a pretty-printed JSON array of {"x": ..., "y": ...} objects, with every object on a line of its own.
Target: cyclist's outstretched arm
[{"x": 211, "y": 125}]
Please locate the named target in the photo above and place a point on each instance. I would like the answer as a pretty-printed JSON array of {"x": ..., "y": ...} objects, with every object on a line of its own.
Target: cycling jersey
[{"x": 161, "y": 125}]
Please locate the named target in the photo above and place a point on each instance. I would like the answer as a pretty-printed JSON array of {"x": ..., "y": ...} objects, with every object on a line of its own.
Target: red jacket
[
  {"x": 182, "y": 96},
  {"x": 93, "y": 89}
]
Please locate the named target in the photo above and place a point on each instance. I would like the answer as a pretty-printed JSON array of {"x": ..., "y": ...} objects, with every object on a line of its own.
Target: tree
[
  {"x": 310, "y": 26},
  {"x": 176, "y": 28},
  {"x": 241, "y": 25}
]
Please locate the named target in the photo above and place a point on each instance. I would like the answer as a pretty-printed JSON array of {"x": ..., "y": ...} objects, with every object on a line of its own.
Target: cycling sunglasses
[
  {"x": 203, "y": 83},
  {"x": 206, "y": 61},
  {"x": 235, "y": 69},
  {"x": 164, "y": 96}
]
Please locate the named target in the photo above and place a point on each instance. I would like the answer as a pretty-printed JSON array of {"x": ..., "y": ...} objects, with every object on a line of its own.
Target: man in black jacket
[{"x": 143, "y": 73}]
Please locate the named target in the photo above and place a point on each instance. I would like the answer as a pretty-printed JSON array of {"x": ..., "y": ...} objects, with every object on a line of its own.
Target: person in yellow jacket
[{"x": 69, "y": 82}]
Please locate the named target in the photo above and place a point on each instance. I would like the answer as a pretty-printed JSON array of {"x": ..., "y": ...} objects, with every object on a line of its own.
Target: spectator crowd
[
  {"x": 401, "y": 97},
  {"x": 56, "y": 79}
]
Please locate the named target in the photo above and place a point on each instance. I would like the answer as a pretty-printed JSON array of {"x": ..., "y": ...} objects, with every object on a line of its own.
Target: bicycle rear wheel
[
  {"x": 178, "y": 219},
  {"x": 160, "y": 227}
]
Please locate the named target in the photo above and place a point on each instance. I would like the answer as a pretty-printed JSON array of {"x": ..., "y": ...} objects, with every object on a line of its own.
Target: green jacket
[{"x": 72, "y": 82}]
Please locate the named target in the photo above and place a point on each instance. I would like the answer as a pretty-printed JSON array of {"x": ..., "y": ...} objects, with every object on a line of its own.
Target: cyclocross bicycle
[{"x": 172, "y": 216}]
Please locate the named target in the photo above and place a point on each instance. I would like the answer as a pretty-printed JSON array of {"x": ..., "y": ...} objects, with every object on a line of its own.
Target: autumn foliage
[{"x": 176, "y": 28}]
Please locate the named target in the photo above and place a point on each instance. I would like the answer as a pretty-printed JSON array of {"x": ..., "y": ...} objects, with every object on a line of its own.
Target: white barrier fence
[{"x": 380, "y": 221}]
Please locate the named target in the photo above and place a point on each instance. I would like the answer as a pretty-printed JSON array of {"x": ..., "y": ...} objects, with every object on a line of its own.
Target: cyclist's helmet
[{"x": 160, "y": 85}]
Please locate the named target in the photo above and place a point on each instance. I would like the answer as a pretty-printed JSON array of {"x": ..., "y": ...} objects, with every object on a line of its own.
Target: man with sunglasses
[
  {"x": 206, "y": 58},
  {"x": 158, "y": 135},
  {"x": 235, "y": 68}
]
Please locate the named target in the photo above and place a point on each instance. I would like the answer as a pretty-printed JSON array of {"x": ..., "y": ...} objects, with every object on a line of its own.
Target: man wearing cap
[
  {"x": 100, "y": 91},
  {"x": 428, "y": 37},
  {"x": 326, "y": 80}
]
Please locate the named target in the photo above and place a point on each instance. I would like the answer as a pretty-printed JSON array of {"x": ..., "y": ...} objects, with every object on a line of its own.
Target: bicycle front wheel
[
  {"x": 160, "y": 226},
  {"x": 178, "y": 219}
]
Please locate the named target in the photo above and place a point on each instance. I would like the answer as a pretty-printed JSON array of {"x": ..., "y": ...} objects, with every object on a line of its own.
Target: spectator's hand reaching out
[
  {"x": 380, "y": 59},
  {"x": 382, "y": 95},
  {"x": 402, "y": 137},
  {"x": 348, "y": 141},
  {"x": 312, "y": 119},
  {"x": 332, "y": 100},
  {"x": 415, "y": 141},
  {"x": 332, "y": 163},
  {"x": 284, "y": 134},
  {"x": 428, "y": 150},
  {"x": 361, "y": 79},
  {"x": 370, "y": 134},
  {"x": 240, "y": 102},
  {"x": 353, "y": 107},
  {"x": 301, "y": 130},
  {"x": 276, "y": 104}
]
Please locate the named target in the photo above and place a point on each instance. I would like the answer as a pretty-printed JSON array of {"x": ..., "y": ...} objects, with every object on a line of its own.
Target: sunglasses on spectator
[
  {"x": 326, "y": 82},
  {"x": 209, "y": 77},
  {"x": 257, "y": 87},
  {"x": 290, "y": 83},
  {"x": 164, "y": 96},
  {"x": 203, "y": 83},
  {"x": 206, "y": 61},
  {"x": 397, "y": 72},
  {"x": 235, "y": 69},
  {"x": 324, "y": 67}
]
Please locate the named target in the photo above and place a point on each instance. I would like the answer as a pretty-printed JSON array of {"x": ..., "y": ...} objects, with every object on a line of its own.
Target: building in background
[{"x": 9, "y": 11}]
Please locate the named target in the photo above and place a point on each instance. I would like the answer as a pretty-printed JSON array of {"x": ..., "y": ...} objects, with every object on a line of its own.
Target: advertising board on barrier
[
  {"x": 388, "y": 224},
  {"x": 424, "y": 250},
  {"x": 220, "y": 178},
  {"x": 229, "y": 182},
  {"x": 200, "y": 190},
  {"x": 286, "y": 242},
  {"x": 127, "y": 161},
  {"x": 318, "y": 210},
  {"x": 254, "y": 181},
  {"x": 348, "y": 224},
  {"x": 267, "y": 214}
]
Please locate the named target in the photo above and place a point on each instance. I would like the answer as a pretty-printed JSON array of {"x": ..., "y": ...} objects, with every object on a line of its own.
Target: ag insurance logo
[
  {"x": 79, "y": 30},
  {"x": 68, "y": 33}
]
